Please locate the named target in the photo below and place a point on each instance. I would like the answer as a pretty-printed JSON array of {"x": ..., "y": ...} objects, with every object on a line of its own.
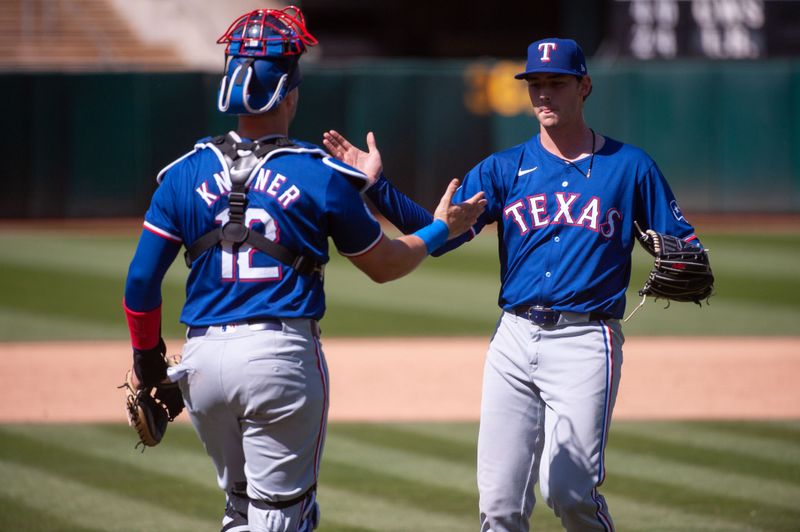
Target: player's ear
[{"x": 585, "y": 86}]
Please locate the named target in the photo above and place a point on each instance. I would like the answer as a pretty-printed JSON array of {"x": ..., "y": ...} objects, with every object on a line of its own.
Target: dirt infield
[{"x": 432, "y": 379}]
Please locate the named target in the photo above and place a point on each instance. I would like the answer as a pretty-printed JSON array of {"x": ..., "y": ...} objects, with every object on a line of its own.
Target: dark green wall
[{"x": 726, "y": 134}]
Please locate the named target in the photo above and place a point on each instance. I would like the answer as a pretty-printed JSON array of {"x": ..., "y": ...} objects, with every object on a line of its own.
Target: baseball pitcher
[{"x": 565, "y": 203}]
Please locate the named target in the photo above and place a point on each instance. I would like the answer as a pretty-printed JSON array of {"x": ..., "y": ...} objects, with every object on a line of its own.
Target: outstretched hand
[
  {"x": 459, "y": 217},
  {"x": 368, "y": 162}
]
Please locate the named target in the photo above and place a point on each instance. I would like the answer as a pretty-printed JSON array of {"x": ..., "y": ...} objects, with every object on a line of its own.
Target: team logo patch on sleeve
[{"x": 676, "y": 211}]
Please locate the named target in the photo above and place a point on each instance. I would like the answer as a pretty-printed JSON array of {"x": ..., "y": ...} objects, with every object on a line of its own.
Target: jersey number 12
[{"x": 240, "y": 264}]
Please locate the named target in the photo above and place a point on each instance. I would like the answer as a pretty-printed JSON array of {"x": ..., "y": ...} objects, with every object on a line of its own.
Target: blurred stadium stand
[
  {"x": 104, "y": 93},
  {"x": 115, "y": 35}
]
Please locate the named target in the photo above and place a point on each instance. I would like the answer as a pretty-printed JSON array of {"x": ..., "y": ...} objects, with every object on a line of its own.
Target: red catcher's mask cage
[{"x": 268, "y": 32}]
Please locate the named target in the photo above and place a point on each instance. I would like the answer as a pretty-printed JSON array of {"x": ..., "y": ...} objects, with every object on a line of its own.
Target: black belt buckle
[
  {"x": 541, "y": 316},
  {"x": 194, "y": 332}
]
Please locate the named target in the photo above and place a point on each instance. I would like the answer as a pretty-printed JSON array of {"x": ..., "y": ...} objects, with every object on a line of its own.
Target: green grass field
[
  {"x": 662, "y": 476},
  {"x": 678, "y": 477},
  {"x": 54, "y": 286}
]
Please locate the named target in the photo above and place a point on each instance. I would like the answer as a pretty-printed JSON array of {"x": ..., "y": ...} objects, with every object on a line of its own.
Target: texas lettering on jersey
[
  {"x": 564, "y": 231},
  {"x": 266, "y": 182},
  {"x": 532, "y": 213}
]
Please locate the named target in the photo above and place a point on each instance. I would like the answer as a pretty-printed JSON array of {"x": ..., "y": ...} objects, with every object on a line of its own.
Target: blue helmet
[{"x": 261, "y": 59}]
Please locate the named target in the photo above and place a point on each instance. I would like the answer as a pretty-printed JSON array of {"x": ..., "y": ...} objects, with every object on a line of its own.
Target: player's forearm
[
  {"x": 144, "y": 327},
  {"x": 392, "y": 259},
  {"x": 405, "y": 214},
  {"x": 142, "y": 302},
  {"x": 403, "y": 255},
  {"x": 142, "y": 306}
]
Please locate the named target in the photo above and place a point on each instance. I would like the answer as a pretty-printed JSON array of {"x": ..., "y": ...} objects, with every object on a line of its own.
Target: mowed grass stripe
[
  {"x": 123, "y": 480},
  {"x": 177, "y": 456},
  {"x": 688, "y": 498},
  {"x": 406, "y": 465},
  {"x": 16, "y": 514},
  {"x": 781, "y": 291},
  {"x": 741, "y": 440},
  {"x": 787, "y": 432},
  {"x": 646, "y": 492},
  {"x": 713, "y": 482},
  {"x": 631, "y": 515},
  {"x": 49, "y": 292},
  {"x": 355, "y": 510},
  {"x": 107, "y": 256},
  {"x": 87, "y": 507},
  {"x": 394, "y": 489},
  {"x": 362, "y": 321},
  {"x": 385, "y": 496},
  {"x": 773, "y": 255},
  {"x": 724, "y": 461},
  {"x": 82, "y": 280},
  {"x": 180, "y": 437},
  {"x": 463, "y": 433},
  {"x": 19, "y": 325},
  {"x": 396, "y": 436},
  {"x": 406, "y": 294},
  {"x": 180, "y": 455}
]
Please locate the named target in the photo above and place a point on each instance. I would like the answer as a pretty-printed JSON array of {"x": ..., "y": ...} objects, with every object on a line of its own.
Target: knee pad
[
  {"x": 300, "y": 514},
  {"x": 236, "y": 507}
]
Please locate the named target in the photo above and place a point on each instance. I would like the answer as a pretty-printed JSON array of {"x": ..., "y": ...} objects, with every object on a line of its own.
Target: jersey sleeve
[
  {"x": 161, "y": 218},
  {"x": 403, "y": 212},
  {"x": 484, "y": 177},
  {"x": 150, "y": 263},
  {"x": 352, "y": 227},
  {"x": 142, "y": 301},
  {"x": 657, "y": 208},
  {"x": 406, "y": 214}
]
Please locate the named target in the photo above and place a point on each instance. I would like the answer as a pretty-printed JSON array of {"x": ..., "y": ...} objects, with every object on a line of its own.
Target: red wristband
[{"x": 145, "y": 327}]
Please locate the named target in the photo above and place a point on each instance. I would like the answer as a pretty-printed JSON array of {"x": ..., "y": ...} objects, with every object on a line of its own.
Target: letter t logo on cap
[{"x": 545, "y": 48}]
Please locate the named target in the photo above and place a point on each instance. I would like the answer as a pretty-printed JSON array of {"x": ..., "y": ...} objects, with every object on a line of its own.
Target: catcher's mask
[{"x": 261, "y": 59}]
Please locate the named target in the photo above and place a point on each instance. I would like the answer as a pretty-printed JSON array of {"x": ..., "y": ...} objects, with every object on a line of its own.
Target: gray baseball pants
[
  {"x": 258, "y": 400},
  {"x": 548, "y": 394}
]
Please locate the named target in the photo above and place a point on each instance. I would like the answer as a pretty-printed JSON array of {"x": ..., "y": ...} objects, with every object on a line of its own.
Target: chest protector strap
[{"x": 235, "y": 229}]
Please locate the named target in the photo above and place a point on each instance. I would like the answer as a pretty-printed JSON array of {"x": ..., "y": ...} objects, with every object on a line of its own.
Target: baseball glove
[
  {"x": 150, "y": 408},
  {"x": 681, "y": 271}
]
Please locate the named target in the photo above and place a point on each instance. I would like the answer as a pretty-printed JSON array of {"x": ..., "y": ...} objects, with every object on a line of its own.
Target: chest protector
[{"x": 242, "y": 158}]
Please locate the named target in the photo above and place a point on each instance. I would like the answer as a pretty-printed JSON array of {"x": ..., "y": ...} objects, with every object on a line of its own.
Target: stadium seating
[{"x": 114, "y": 35}]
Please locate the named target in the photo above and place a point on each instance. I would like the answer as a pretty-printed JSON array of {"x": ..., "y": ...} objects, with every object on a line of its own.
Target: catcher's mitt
[
  {"x": 150, "y": 408},
  {"x": 681, "y": 271}
]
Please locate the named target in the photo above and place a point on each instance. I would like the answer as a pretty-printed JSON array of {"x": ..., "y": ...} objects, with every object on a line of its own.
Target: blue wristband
[{"x": 434, "y": 235}]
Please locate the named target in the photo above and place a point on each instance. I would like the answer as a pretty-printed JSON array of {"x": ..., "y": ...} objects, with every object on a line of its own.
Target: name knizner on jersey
[{"x": 262, "y": 184}]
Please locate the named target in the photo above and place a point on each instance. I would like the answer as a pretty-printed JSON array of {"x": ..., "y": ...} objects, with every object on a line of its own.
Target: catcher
[{"x": 257, "y": 212}]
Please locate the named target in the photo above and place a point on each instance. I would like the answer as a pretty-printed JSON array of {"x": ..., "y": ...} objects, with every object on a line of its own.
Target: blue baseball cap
[{"x": 559, "y": 56}]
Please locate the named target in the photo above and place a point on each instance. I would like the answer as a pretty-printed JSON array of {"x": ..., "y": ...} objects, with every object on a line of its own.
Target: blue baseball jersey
[
  {"x": 565, "y": 239},
  {"x": 298, "y": 198}
]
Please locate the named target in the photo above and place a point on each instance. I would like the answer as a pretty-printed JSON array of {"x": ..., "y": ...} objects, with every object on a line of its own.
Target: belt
[
  {"x": 547, "y": 317},
  {"x": 254, "y": 325}
]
